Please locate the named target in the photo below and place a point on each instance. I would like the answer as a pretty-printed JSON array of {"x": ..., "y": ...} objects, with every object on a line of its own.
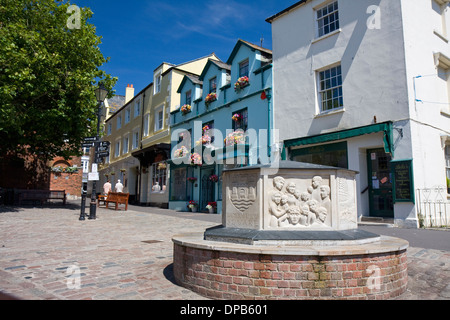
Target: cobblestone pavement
[{"x": 128, "y": 256}]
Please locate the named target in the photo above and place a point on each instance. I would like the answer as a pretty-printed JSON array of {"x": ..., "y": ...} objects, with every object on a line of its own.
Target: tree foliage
[{"x": 48, "y": 74}]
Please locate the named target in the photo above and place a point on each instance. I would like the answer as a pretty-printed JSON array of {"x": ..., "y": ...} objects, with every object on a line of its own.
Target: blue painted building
[{"x": 224, "y": 121}]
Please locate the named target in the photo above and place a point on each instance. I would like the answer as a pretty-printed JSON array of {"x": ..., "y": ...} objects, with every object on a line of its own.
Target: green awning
[{"x": 385, "y": 127}]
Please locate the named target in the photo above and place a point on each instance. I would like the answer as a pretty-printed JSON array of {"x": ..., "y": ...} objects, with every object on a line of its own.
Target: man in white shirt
[{"x": 119, "y": 186}]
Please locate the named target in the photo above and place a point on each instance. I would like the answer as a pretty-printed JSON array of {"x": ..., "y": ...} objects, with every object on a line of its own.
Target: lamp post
[{"x": 100, "y": 93}]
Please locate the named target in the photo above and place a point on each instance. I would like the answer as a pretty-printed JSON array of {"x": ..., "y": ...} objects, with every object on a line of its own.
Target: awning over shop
[
  {"x": 385, "y": 127},
  {"x": 148, "y": 155}
]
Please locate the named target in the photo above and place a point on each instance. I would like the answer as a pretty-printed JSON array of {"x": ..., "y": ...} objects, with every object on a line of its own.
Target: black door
[
  {"x": 380, "y": 183},
  {"x": 207, "y": 186}
]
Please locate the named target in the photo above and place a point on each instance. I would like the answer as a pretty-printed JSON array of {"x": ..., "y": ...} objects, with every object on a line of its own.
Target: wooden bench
[
  {"x": 41, "y": 195},
  {"x": 117, "y": 198}
]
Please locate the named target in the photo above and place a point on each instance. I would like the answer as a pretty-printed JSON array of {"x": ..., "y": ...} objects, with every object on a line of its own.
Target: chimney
[{"x": 129, "y": 93}]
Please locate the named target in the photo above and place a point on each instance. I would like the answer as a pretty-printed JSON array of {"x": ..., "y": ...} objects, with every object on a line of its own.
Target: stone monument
[{"x": 290, "y": 232}]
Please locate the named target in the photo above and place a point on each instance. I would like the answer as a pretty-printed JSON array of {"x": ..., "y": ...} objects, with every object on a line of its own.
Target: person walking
[
  {"x": 119, "y": 186},
  {"x": 107, "y": 187}
]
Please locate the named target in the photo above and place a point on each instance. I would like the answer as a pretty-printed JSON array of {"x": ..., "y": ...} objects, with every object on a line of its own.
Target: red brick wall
[
  {"x": 71, "y": 182},
  {"x": 235, "y": 276}
]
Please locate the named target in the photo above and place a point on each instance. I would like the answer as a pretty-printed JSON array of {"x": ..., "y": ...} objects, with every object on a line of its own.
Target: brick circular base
[{"x": 234, "y": 272}]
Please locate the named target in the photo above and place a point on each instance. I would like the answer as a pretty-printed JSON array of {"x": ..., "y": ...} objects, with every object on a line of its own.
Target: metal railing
[{"x": 433, "y": 207}]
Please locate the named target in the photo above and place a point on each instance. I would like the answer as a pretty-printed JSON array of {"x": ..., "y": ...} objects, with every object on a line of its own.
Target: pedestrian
[
  {"x": 119, "y": 186},
  {"x": 107, "y": 187}
]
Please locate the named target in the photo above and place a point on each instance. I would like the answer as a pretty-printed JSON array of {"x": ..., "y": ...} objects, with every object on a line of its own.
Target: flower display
[
  {"x": 60, "y": 169},
  {"x": 192, "y": 179},
  {"x": 162, "y": 166},
  {"x": 186, "y": 109},
  {"x": 236, "y": 117},
  {"x": 210, "y": 98},
  {"x": 192, "y": 204},
  {"x": 182, "y": 152},
  {"x": 196, "y": 159},
  {"x": 214, "y": 178},
  {"x": 241, "y": 83},
  {"x": 205, "y": 140},
  {"x": 236, "y": 137},
  {"x": 205, "y": 128}
]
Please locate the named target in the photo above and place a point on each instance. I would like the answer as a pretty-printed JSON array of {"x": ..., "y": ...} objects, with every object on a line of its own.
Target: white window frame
[
  {"x": 156, "y": 174},
  {"x": 158, "y": 110},
  {"x": 135, "y": 139},
  {"x": 119, "y": 122},
  {"x": 117, "y": 147},
  {"x": 157, "y": 81},
  {"x": 137, "y": 108},
  {"x": 331, "y": 88},
  {"x": 147, "y": 125},
  {"x": 323, "y": 21},
  {"x": 127, "y": 115},
  {"x": 109, "y": 129},
  {"x": 126, "y": 144}
]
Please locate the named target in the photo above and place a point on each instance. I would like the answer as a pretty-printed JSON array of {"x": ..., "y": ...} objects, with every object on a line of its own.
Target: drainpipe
[{"x": 269, "y": 116}]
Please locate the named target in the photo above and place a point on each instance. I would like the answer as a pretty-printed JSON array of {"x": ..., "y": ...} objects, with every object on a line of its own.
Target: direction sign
[
  {"x": 90, "y": 139},
  {"x": 105, "y": 144},
  {"x": 102, "y": 149},
  {"x": 87, "y": 145},
  {"x": 103, "y": 154}
]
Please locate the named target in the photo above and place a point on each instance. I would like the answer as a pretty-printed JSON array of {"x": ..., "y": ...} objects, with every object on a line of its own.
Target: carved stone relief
[{"x": 294, "y": 204}]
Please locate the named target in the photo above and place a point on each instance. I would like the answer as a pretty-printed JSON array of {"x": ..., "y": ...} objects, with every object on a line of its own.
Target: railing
[{"x": 433, "y": 207}]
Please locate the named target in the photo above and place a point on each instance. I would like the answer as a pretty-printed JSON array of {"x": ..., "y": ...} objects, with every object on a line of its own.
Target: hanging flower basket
[
  {"x": 196, "y": 159},
  {"x": 192, "y": 179},
  {"x": 236, "y": 117},
  {"x": 214, "y": 178},
  {"x": 205, "y": 140},
  {"x": 181, "y": 152},
  {"x": 186, "y": 109},
  {"x": 162, "y": 166},
  {"x": 236, "y": 137},
  {"x": 210, "y": 98},
  {"x": 241, "y": 83}
]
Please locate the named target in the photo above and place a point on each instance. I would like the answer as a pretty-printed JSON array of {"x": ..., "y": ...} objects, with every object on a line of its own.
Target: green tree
[{"x": 49, "y": 69}]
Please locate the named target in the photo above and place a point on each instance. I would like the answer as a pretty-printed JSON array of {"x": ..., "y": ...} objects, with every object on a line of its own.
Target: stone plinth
[{"x": 294, "y": 196}]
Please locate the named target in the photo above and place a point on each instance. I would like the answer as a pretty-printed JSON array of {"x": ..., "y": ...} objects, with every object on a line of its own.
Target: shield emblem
[{"x": 243, "y": 198}]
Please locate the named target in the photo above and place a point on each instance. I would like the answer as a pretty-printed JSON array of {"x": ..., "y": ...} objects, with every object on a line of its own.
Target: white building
[{"x": 368, "y": 83}]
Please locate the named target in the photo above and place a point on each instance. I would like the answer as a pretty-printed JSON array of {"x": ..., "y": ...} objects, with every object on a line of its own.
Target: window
[
  {"x": 127, "y": 115},
  {"x": 117, "y": 149},
  {"x": 241, "y": 121},
  {"x": 119, "y": 122},
  {"x": 439, "y": 21},
  {"x": 109, "y": 129},
  {"x": 330, "y": 89},
  {"x": 327, "y": 19},
  {"x": 447, "y": 166},
  {"x": 135, "y": 144},
  {"x": 184, "y": 139},
  {"x": 146, "y": 125},
  {"x": 125, "y": 145},
  {"x": 157, "y": 81},
  {"x": 243, "y": 69},
  {"x": 208, "y": 130},
  {"x": 137, "y": 108},
  {"x": 212, "y": 85},
  {"x": 179, "y": 186},
  {"x": 159, "y": 176},
  {"x": 159, "y": 118},
  {"x": 334, "y": 155},
  {"x": 189, "y": 97}
]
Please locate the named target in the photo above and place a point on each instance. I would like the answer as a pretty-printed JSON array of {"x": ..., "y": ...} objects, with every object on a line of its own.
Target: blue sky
[{"x": 139, "y": 35}]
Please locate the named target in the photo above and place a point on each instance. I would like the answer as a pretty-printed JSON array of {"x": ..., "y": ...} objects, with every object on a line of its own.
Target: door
[
  {"x": 380, "y": 184},
  {"x": 207, "y": 191}
]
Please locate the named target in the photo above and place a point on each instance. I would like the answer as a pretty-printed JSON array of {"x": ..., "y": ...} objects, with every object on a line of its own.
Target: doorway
[
  {"x": 207, "y": 191},
  {"x": 380, "y": 183}
]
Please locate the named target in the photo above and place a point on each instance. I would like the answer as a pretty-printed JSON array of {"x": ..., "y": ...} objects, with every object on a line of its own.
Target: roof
[
  {"x": 219, "y": 64},
  {"x": 115, "y": 103},
  {"x": 248, "y": 44},
  {"x": 294, "y": 6},
  {"x": 194, "y": 79}
]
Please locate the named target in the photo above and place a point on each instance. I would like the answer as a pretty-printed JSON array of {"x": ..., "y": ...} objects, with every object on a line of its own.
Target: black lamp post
[{"x": 100, "y": 93}]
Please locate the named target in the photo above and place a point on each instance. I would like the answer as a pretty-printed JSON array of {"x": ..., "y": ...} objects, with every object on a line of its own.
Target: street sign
[
  {"x": 105, "y": 144},
  {"x": 102, "y": 149},
  {"x": 90, "y": 139},
  {"x": 103, "y": 154},
  {"x": 87, "y": 145}
]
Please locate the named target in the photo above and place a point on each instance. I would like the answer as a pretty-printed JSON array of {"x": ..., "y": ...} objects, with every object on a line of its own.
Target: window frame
[
  {"x": 159, "y": 110},
  {"x": 244, "y": 67},
  {"x": 321, "y": 27},
  {"x": 156, "y": 177},
  {"x": 157, "y": 82},
  {"x": 321, "y": 91},
  {"x": 213, "y": 84}
]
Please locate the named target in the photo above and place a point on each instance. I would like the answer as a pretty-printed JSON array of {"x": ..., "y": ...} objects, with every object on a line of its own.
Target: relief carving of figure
[{"x": 276, "y": 209}]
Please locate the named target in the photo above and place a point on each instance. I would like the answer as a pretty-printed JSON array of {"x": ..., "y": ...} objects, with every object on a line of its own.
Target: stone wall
[{"x": 234, "y": 276}]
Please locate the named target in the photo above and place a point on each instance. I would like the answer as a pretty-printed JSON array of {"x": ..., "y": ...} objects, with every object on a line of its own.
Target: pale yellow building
[{"x": 139, "y": 134}]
